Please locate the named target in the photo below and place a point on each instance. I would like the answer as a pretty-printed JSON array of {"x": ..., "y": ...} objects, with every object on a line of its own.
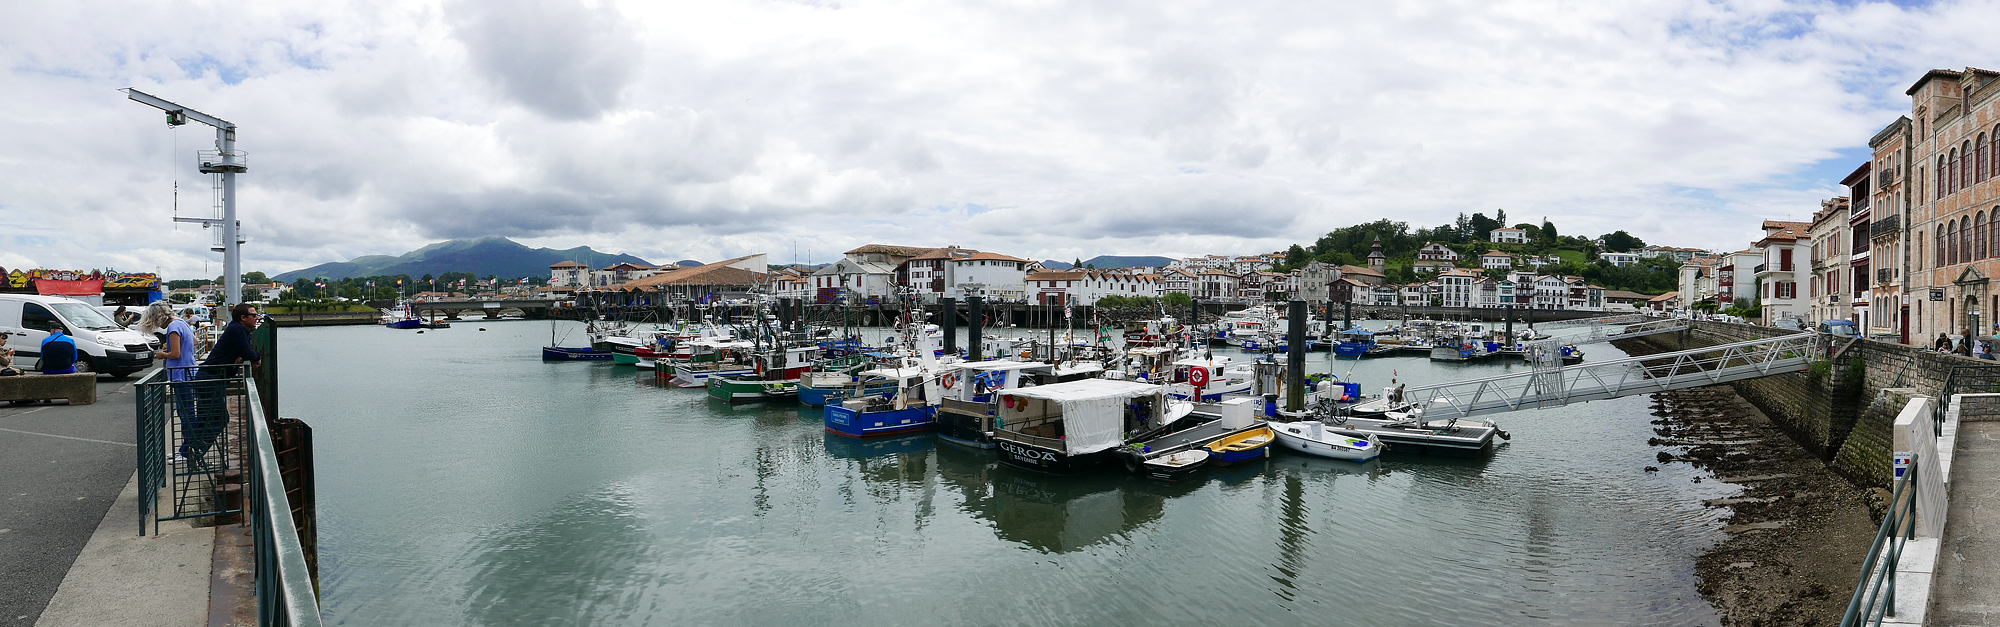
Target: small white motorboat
[
  {"x": 1313, "y": 437},
  {"x": 1175, "y": 466}
]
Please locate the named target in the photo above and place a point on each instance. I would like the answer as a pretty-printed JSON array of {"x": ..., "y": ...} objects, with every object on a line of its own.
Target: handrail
[
  {"x": 285, "y": 593},
  {"x": 1875, "y": 595},
  {"x": 1619, "y": 377}
]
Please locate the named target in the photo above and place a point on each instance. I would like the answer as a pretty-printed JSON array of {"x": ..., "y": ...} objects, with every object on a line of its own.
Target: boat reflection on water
[
  {"x": 1055, "y": 514},
  {"x": 857, "y": 448}
]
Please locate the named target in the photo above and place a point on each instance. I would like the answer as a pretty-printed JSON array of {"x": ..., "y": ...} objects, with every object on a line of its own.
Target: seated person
[
  {"x": 7, "y": 368},
  {"x": 58, "y": 353}
]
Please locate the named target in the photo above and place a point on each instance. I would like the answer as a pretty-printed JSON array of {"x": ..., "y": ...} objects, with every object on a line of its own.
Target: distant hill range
[
  {"x": 1106, "y": 262},
  {"x": 485, "y": 256}
]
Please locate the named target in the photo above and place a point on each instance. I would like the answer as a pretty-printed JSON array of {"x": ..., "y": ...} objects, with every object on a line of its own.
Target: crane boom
[{"x": 227, "y": 164}]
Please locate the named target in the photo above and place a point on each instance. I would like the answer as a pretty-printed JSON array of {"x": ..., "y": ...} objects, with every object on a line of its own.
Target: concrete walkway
[
  {"x": 62, "y": 468},
  {"x": 1968, "y": 572}
]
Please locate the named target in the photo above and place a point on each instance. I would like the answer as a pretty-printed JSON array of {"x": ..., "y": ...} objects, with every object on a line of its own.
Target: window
[
  {"x": 1979, "y": 236},
  {"x": 1965, "y": 165},
  {"x": 1940, "y": 176},
  {"x": 1979, "y": 156},
  {"x": 36, "y": 318}
]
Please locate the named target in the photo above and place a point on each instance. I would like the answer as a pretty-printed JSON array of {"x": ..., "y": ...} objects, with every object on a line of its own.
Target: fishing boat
[
  {"x": 1206, "y": 379},
  {"x": 552, "y": 352},
  {"x": 890, "y": 401},
  {"x": 563, "y": 353},
  {"x": 971, "y": 397},
  {"x": 1353, "y": 343},
  {"x": 774, "y": 374},
  {"x": 832, "y": 380},
  {"x": 1066, "y": 428},
  {"x": 1155, "y": 332},
  {"x": 728, "y": 362},
  {"x": 1313, "y": 437},
  {"x": 1242, "y": 446}
]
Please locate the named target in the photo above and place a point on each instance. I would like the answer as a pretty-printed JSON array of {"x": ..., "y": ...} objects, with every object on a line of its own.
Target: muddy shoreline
[{"x": 1798, "y": 530}]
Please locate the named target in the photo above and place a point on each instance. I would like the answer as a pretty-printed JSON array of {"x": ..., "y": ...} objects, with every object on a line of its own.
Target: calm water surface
[{"x": 462, "y": 481}]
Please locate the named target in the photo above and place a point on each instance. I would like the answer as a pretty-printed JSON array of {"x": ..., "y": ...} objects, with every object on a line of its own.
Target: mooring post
[
  {"x": 1295, "y": 378},
  {"x": 1510, "y": 325},
  {"x": 974, "y": 348},
  {"x": 948, "y": 307}
]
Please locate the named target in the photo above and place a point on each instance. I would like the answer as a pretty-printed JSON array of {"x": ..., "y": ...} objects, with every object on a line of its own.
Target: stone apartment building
[
  {"x": 1955, "y": 220},
  {"x": 1830, "y": 284}
]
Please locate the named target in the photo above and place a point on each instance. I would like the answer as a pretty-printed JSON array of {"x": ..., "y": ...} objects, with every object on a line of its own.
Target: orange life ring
[
  {"x": 950, "y": 380},
  {"x": 1198, "y": 376}
]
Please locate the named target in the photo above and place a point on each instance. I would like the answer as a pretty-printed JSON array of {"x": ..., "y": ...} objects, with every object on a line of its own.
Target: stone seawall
[{"x": 1841, "y": 409}]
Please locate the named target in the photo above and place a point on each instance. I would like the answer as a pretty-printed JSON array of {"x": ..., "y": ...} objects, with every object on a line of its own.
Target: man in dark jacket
[{"x": 212, "y": 415}]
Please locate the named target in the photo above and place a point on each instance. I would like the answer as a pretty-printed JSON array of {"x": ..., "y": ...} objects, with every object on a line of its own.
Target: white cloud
[{"x": 1046, "y": 130}]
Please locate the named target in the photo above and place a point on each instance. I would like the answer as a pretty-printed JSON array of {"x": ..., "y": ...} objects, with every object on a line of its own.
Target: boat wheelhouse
[
  {"x": 971, "y": 396},
  {"x": 774, "y": 374},
  {"x": 888, "y": 402}
]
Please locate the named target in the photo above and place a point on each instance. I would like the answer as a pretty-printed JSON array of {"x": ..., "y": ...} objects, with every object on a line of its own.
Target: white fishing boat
[{"x": 1313, "y": 437}]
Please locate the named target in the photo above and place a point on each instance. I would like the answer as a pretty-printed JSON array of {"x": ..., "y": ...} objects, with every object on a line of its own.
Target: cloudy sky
[{"x": 1037, "y": 128}]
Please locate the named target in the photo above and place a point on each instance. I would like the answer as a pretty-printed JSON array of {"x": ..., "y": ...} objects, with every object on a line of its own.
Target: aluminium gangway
[{"x": 1550, "y": 386}]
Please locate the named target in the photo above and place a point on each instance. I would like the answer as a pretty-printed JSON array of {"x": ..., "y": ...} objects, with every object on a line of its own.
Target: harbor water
[{"x": 463, "y": 481}]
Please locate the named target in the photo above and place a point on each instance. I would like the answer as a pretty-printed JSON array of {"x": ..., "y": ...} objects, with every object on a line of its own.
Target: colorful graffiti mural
[{"x": 20, "y": 279}]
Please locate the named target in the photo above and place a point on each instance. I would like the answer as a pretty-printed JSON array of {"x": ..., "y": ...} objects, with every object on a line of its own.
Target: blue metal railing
[{"x": 1875, "y": 596}]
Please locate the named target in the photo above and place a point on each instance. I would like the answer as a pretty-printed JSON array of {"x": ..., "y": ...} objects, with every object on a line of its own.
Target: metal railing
[
  {"x": 1885, "y": 226},
  {"x": 190, "y": 433},
  {"x": 1620, "y": 377},
  {"x": 286, "y": 593},
  {"x": 1963, "y": 380},
  {"x": 1875, "y": 596}
]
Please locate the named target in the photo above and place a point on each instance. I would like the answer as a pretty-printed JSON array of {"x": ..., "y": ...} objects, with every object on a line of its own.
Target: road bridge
[
  {"x": 452, "y": 309},
  {"x": 1550, "y": 386}
]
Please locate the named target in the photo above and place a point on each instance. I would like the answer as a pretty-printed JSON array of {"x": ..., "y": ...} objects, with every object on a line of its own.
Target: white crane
[{"x": 226, "y": 162}]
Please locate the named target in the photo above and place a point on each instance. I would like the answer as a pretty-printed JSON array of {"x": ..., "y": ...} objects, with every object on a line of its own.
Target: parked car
[
  {"x": 101, "y": 345},
  {"x": 1841, "y": 328},
  {"x": 1789, "y": 323}
]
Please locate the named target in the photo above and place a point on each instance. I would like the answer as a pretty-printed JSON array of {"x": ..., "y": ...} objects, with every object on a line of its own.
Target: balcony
[
  {"x": 1885, "y": 226},
  {"x": 1884, "y": 178},
  {"x": 1759, "y": 269},
  {"x": 1885, "y": 275}
]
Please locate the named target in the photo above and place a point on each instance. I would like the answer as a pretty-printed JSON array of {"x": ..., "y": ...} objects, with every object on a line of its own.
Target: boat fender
[{"x": 1503, "y": 435}]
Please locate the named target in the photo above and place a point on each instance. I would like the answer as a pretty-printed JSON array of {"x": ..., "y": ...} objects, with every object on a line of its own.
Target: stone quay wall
[{"x": 1842, "y": 409}]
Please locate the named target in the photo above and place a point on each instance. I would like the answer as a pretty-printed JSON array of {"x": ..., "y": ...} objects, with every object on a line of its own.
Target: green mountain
[
  {"x": 1106, "y": 262},
  {"x": 485, "y": 256}
]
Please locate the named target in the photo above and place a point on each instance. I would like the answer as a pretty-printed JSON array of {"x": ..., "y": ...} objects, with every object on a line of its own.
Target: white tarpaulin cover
[{"x": 1093, "y": 410}]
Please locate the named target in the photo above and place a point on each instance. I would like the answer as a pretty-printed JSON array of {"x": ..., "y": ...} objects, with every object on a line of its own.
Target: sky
[{"x": 1036, "y": 128}]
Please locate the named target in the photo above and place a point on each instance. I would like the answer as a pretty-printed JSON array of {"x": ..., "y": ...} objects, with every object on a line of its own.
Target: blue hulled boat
[{"x": 889, "y": 401}]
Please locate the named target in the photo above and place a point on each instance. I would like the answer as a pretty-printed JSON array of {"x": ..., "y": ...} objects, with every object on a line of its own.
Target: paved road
[
  {"x": 1968, "y": 584},
  {"x": 60, "y": 469}
]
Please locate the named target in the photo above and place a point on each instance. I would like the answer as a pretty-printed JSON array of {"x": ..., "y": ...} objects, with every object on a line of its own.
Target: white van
[{"x": 101, "y": 345}]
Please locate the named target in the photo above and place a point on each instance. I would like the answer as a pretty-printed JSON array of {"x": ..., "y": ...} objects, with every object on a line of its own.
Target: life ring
[
  {"x": 950, "y": 380},
  {"x": 1198, "y": 376},
  {"x": 1026, "y": 353}
]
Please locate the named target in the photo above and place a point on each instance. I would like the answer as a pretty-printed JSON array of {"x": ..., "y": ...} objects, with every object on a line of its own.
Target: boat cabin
[{"x": 1064, "y": 428}]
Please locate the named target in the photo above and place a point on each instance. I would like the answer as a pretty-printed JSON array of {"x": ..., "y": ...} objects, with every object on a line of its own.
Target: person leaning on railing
[
  {"x": 233, "y": 348},
  {"x": 178, "y": 339}
]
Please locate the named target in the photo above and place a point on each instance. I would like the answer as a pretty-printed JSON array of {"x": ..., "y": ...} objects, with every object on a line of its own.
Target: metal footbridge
[{"x": 1552, "y": 385}]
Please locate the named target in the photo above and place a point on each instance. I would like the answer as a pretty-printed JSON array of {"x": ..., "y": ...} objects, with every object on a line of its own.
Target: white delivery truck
[{"x": 101, "y": 345}]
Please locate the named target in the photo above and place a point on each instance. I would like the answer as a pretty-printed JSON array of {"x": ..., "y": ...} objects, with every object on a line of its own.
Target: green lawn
[{"x": 1569, "y": 256}]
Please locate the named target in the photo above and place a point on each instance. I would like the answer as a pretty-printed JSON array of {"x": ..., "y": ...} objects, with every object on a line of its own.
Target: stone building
[
  {"x": 1956, "y": 217},
  {"x": 1829, "y": 284}
]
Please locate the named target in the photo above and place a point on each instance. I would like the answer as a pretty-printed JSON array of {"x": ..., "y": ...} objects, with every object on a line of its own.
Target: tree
[
  {"x": 1178, "y": 299},
  {"x": 1549, "y": 231},
  {"x": 1295, "y": 256},
  {"x": 1622, "y": 242},
  {"x": 255, "y": 278},
  {"x": 181, "y": 297}
]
